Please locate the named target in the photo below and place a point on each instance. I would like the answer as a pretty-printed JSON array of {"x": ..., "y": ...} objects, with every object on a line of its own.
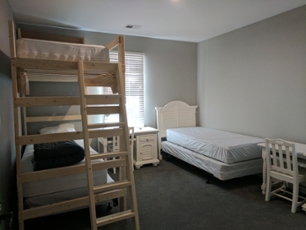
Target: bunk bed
[
  {"x": 225, "y": 155},
  {"x": 68, "y": 181}
]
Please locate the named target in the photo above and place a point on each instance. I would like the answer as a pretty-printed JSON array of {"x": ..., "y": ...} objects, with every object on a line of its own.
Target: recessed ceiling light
[{"x": 133, "y": 26}]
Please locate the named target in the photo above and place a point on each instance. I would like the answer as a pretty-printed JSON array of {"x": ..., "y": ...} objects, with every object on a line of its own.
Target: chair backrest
[
  {"x": 131, "y": 131},
  {"x": 281, "y": 157},
  {"x": 116, "y": 141}
]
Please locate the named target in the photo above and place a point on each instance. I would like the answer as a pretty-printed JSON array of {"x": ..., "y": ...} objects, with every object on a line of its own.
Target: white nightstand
[{"x": 145, "y": 147}]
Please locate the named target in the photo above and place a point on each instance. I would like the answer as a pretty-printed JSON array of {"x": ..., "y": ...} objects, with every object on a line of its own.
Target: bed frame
[
  {"x": 177, "y": 114},
  {"x": 86, "y": 73}
]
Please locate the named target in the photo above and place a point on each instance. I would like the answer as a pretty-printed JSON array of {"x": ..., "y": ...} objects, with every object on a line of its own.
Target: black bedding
[{"x": 56, "y": 154}]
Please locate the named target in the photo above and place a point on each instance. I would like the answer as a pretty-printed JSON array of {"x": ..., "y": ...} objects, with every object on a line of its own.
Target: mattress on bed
[
  {"x": 220, "y": 145},
  {"x": 51, "y": 198},
  {"x": 218, "y": 169},
  {"x": 52, "y": 50},
  {"x": 57, "y": 184}
]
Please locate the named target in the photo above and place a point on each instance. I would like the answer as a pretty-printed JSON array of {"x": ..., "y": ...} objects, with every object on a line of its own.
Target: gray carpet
[{"x": 174, "y": 196}]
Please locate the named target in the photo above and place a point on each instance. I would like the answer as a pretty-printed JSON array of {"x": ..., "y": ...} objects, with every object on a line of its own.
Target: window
[{"x": 133, "y": 87}]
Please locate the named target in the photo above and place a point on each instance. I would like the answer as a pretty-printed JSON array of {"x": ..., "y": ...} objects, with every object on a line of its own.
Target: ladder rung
[
  {"x": 94, "y": 110},
  {"x": 107, "y": 67},
  {"x": 111, "y": 186},
  {"x": 109, "y": 195},
  {"x": 102, "y": 99},
  {"x": 106, "y": 80},
  {"x": 115, "y": 217},
  {"x": 105, "y": 125},
  {"x": 105, "y": 132},
  {"x": 109, "y": 164},
  {"x": 108, "y": 155}
]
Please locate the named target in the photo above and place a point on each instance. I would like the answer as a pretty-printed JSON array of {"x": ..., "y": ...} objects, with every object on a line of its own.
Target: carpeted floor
[{"x": 174, "y": 196}]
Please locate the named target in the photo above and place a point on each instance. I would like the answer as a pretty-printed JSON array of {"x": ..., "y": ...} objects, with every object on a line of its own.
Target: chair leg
[
  {"x": 114, "y": 169},
  {"x": 268, "y": 189},
  {"x": 295, "y": 197}
]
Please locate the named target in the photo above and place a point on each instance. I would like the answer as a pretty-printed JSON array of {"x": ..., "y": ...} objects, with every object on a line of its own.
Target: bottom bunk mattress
[
  {"x": 218, "y": 169},
  {"x": 220, "y": 145},
  {"x": 57, "y": 189}
]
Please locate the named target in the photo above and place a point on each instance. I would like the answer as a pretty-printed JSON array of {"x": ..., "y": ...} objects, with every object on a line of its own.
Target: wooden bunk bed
[
  {"x": 225, "y": 155},
  {"x": 87, "y": 71}
]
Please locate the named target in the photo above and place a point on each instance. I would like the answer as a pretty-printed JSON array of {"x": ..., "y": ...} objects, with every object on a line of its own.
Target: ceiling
[{"x": 181, "y": 20}]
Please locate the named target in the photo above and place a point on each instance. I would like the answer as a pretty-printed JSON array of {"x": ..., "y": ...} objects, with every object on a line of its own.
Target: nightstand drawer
[{"x": 145, "y": 138}]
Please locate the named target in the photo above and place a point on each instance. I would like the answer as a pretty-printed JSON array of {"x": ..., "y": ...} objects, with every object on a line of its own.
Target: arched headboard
[{"x": 175, "y": 114}]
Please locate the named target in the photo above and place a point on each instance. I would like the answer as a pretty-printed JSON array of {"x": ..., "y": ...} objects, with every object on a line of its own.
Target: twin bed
[{"x": 223, "y": 154}]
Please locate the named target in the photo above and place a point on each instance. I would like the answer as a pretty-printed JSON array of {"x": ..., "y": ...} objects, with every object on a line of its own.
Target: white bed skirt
[{"x": 220, "y": 170}]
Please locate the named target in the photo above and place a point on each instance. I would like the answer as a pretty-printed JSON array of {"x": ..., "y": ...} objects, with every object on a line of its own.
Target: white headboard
[{"x": 175, "y": 114}]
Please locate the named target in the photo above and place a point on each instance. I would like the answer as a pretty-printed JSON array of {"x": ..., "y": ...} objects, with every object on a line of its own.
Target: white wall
[
  {"x": 170, "y": 66},
  {"x": 253, "y": 80}
]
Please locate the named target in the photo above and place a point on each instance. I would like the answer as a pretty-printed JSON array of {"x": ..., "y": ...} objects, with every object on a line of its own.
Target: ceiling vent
[{"x": 133, "y": 26}]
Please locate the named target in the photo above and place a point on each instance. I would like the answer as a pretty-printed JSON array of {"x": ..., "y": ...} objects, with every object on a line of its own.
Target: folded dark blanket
[{"x": 56, "y": 154}]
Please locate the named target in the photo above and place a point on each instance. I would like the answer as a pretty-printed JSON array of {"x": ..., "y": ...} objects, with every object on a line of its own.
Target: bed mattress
[
  {"x": 52, "y": 50},
  {"x": 218, "y": 169},
  {"x": 223, "y": 146},
  {"x": 58, "y": 184}
]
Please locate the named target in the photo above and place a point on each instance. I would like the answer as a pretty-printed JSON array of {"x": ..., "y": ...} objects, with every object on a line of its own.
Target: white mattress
[
  {"x": 58, "y": 184},
  {"x": 51, "y": 198},
  {"x": 220, "y": 170},
  {"x": 32, "y": 48},
  {"x": 224, "y": 146}
]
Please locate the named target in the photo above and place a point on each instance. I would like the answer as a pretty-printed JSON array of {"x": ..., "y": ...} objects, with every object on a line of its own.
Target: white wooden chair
[
  {"x": 113, "y": 145},
  {"x": 282, "y": 164}
]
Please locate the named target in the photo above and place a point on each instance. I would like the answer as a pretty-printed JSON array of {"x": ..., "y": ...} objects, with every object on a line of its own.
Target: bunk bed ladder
[{"x": 126, "y": 182}]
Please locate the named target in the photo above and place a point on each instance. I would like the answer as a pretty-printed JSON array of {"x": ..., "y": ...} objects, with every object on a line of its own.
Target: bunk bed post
[
  {"x": 121, "y": 90},
  {"x": 17, "y": 148},
  {"x": 16, "y": 124},
  {"x": 12, "y": 39},
  {"x": 121, "y": 59},
  {"x": 18, "y": 33},
  {"x": 127, "y": 173}
]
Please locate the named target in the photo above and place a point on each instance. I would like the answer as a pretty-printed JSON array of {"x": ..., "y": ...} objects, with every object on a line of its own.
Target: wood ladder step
[
  {"x": 95, "y": 133},
  {"x": 108, "y": 155},
  {"x": 93, "y": 99},
  {"x": 115, "y": 217},
  {"x": 96, "y": 110},
  {"x": 105, "y": 125},
  {"x": 111, "y": 186}
]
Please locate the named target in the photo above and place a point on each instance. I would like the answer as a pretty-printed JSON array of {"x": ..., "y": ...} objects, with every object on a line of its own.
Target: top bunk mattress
[
  {"x": 220, "y": 145},
  {"x": 63, "y": 51},
  {"x": 57, "y": 184}
]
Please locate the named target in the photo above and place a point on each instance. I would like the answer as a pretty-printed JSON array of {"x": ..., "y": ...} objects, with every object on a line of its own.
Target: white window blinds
[{"x": 134, "y": 63}]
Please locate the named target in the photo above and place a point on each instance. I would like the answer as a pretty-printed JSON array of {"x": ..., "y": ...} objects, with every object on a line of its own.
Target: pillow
[
  {"x": 56, "y": 154},
  {"x": 62, "y": 128}
]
